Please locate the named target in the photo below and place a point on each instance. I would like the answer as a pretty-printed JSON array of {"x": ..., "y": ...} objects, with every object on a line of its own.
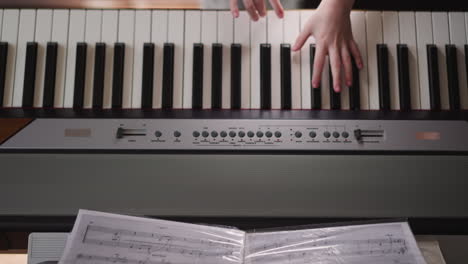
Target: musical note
[
  {"x": 100, "y": 238},
  {"x": 387, "y": 243}
]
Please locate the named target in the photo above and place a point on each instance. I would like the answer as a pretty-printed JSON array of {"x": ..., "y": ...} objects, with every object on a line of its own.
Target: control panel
[
  {"x": 241, "y": 134},
  {"x": 247, "y": 134}
]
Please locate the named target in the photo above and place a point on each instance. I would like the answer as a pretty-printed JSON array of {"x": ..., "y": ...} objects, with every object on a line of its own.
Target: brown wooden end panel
[{"x": 11, "y": 126}]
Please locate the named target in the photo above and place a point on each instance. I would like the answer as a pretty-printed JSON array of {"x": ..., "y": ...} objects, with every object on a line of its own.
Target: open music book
[{"x": 102, "y": 238}]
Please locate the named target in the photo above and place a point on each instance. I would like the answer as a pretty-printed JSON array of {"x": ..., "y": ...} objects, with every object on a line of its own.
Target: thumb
[{"x": 301, "y": 39}]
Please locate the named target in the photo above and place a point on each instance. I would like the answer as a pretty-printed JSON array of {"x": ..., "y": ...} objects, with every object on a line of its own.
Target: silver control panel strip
[{"x": 241, "y": 134}]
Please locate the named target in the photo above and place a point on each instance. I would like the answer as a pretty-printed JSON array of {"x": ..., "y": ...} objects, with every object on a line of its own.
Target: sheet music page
[
  {"x": 101, "y": 238},
  {"x": 389, "y": 243}
]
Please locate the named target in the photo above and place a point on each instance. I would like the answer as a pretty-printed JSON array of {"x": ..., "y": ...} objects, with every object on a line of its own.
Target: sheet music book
[{"x": 102, "y": 238}]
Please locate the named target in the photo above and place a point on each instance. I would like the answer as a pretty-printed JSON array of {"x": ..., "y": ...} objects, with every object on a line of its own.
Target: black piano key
[
  {"x": 49, "y": 77},
  {"x": 29, "y": 74},
  {"x": 316, "y": 93},
  {"x": 384, "y": 77},
  {"x": 3, "y": 67},
  {"x": 168, "y": 76},
  {"x": 148, "y": 76},
  {"x": 197, "y": 77},
  {"x": 335, "y": 98},
  {"x": 452, "y": 76},
  {"x": 80, "y": 73},
  {"x": 286, "y": 86},
  {"x": 99, "y": 71},
  {"x": 404, "y": 77},
  {"x": 466, "y": 62},
  {"x": 434, "y": 83},
  {"x": 265, "y": 76},
  {"x": 118, "y": 75},
  {"x": 217, "y": 76},
  {"x": 355, "y": 90},
  {"x": 236, "y": 75}
]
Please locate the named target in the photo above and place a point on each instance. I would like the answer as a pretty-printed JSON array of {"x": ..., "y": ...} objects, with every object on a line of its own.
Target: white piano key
[
  {"x": 192, "y": 36},
  {"x": 126, "y": 35},
  {"x": 209, "y": 36},
  {"x": 466, "y": 26},
  {"x": 110, "y": 20},
  {"x": 43, "y": 35},
  {"x": 241, "y": 37},
  {"x": 176, "y": 36},
  {"x": 358, "y": 24},
  {"x": 10, "y": 34},
  {"x": 424, "y": 37},
  {"x": 158, "y": 37},
  {"x": 306, "y": 78},
  {"x": 391, "y": 37},
  {"x": 458, "y": 38},
  {"x": 27, "y": 26},
  {"x": 60, "y": 35},
  {"x": 257, "y": 37},
  {"x": 142, "y": 36},
  {"x": 92, "y": 36},
  {"x": 275, "y": 38},
  {"x": 325, "y": 86},
  {"x": 407, "y": 23},
  {"x": 441, "y": 38},
  {"x": 75, "y": 34},
  {"x": 292, "y": 26},
  {"x": 225, "y": 37},
  {"x": 374, "y": 37},
  {"x": 1, "y": 22}
]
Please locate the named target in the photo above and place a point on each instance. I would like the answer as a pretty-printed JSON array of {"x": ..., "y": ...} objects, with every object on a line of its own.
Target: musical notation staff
[
  {"x": 104, "y": 239},
  {"x": 100, "y": 238},
  {"x": 381, "y": 243}
]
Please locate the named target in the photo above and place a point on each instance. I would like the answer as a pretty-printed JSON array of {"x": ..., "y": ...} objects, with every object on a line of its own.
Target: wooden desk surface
[
  {"x": 97, "y": 4},
  {"x": 19, "y": 257}
]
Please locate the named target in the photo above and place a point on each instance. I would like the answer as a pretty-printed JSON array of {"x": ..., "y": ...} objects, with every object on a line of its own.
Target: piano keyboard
[
  {"x": 153, "y": 59},
  {"x": 136, "y": 80}
]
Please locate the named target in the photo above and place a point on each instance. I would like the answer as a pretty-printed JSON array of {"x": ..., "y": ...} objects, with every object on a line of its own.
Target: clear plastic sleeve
[{"x": 382, "y": 243}]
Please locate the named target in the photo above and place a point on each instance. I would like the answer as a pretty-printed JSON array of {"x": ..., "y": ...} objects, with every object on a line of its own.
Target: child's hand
[
  {"x": 257, "y": 8},
  {"x": 331, "y": 27}
]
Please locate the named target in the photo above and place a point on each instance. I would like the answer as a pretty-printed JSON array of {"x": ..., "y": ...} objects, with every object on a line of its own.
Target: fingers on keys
[
  {"x": 276, "y": 4},
  {"x": 256, "y": 8},
  {"x": 234, "y": 8}
]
